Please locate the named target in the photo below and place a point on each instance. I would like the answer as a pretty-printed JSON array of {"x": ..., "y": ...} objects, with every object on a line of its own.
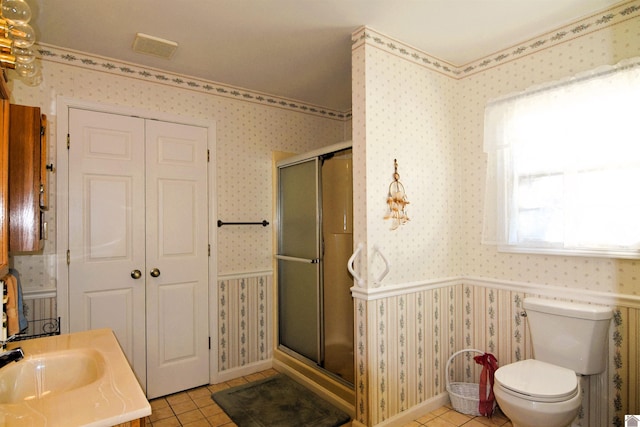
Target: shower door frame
[
  {"x": 291, "y": 161},
  {"x": 314, "y": 260}
]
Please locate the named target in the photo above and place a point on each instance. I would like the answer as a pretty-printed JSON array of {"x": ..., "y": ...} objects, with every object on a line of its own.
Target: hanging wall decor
[{"x": 396, "y": 200}]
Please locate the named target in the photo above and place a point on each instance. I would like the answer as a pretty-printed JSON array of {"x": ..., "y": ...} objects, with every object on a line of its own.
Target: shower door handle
[
  {"x": 292, "y": 258},
  {"x": 350, "y": 263}
]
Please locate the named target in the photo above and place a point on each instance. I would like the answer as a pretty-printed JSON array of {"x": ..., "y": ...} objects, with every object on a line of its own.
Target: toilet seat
[{"x": 537, "y": 381}]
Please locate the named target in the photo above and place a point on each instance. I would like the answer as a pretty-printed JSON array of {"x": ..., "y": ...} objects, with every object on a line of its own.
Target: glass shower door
[{"x": 299, "y": 297}]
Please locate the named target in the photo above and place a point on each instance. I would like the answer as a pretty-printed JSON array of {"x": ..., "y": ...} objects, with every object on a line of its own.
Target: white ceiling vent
[{"x": 155, "y": 46}]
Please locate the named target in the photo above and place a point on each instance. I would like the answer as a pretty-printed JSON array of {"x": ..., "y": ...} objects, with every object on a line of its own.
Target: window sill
[{"x": 571, "y": 252}]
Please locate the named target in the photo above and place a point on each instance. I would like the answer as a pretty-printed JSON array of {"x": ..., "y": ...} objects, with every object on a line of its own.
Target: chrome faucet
[{"x": 11, "y": 356}]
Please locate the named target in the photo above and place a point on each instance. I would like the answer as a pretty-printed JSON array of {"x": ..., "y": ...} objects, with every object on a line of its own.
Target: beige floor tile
[
  {"x": 440, "y": 411},
  {"x": 161, "y": 413},
  {"x": 427, "y": 417},
  {"x": 439, "y": 422},
  {"x": 190, "y": 416},
  {"x": 236, "y": 382},
  {"x": 455, "y": 418},
  {"x": 199, "y": 392},
  {"x": 196, "y": 408},
  {"x": 220, "y": 419},
  {"x": 199, "y": 423},
  {"x": 217, "y": 387},
  {"x": 474, "y": 423},
  {"x": 185, "y": 406},
  {"x": 178, "y": 398},
  {"x": 211, "y": 410},
  {"x": 159, "y": 403},
  {"x": 254, "y": 377},
  {"x": 167, "y": 422},
  {"x": 203, "y": 401}
]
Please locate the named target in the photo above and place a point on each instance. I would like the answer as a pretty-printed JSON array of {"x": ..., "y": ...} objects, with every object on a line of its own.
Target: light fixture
[{"x": 16, "y": 40}]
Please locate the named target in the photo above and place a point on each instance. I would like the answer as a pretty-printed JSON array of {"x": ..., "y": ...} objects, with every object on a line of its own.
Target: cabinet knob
[
  {"x": 155, "y": 272},
  {"x": 50, "y": 167},
  {"x": 136, "y": 274}
]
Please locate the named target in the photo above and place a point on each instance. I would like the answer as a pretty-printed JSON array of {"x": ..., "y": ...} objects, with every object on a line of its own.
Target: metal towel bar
[{"x": 264, "y": 223}]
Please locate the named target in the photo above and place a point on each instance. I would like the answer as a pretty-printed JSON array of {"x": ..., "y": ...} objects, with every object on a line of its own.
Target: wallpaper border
[
  {"x": 124, "y": 69},
  {"x": 598, "y": 21}
]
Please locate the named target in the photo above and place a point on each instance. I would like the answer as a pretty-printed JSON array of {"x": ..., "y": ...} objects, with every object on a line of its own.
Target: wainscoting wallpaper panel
[
  {"x": 624, "y": 366},
  {"x": 41, "y": 312},
  {"x": 245, "y": 328},
  {"x": 415, "y": 333},
  {"x": 413, "y": 337}
]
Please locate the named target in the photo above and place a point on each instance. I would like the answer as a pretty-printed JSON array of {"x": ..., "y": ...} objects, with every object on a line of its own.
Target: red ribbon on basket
[{"x": 489, "y": 365}]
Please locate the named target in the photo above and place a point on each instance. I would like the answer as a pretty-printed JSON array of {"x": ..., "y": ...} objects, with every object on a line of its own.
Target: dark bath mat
[{"x": 277, "y": 401}]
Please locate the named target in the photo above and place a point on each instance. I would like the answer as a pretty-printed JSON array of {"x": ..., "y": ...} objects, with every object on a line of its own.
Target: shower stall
[{"x": 314, "y": 242}]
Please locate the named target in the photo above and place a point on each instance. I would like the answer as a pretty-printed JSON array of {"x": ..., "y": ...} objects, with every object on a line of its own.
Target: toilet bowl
[{"x": 537, "y": 394}]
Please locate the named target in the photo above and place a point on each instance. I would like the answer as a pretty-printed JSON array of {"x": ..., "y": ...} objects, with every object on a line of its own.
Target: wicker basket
[{"x": 465, "y": 397}]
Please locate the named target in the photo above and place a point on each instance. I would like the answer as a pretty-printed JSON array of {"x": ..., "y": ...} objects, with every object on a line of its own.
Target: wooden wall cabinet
[
  {"x": 27, "y": 179},
  {"x": 4, "y": 174}
]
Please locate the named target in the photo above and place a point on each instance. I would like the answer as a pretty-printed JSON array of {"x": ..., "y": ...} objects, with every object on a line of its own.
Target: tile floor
[{"x": 195, "y": 408}]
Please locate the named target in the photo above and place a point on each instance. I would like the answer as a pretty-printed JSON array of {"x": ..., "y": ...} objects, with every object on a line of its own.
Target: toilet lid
[{"x": 538, "y": 380}]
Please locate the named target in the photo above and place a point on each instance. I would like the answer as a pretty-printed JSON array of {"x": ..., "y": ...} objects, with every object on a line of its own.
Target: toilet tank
[{"x": 569, "y": 334}]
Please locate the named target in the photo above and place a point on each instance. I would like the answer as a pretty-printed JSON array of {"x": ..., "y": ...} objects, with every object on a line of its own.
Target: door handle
[
  {"x": 155, "y": 272},
  {"x": 136, "y": 274}
]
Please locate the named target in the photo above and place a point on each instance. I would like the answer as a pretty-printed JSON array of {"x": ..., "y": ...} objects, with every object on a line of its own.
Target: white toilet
[{"x": 567, "y": 339}]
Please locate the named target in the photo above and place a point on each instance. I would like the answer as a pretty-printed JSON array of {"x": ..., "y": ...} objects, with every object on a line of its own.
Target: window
[{"x": 563, "y": 173}]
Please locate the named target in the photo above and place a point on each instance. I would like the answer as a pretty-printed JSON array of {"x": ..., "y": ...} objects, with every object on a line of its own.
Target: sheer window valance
[{"x": 563, "y": 171}]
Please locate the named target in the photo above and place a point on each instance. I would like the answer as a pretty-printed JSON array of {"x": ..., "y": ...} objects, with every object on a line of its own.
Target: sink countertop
[{"x": 114, "y": 398}]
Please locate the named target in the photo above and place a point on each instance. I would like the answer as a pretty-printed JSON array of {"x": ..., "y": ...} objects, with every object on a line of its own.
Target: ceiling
[{"x": 298, "y": 49}]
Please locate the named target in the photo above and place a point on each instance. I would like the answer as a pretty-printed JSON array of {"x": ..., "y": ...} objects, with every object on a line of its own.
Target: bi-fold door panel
[
  {"x": 106, "y": 229},
  {"x": 138, "y": 239}
]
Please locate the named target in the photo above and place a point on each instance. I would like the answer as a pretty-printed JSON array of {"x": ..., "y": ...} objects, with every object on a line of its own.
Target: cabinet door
[
  {"x": 44, "y": 182},
  {"x": 25, "y": 220},
  {"x": 4, "y": 192}
]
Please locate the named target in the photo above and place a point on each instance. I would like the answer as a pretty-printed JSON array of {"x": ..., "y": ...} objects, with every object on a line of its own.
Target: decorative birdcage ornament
[{"x": 397, "y": 201}]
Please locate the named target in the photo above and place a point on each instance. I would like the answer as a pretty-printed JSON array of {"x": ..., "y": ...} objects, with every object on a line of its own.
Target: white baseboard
[
  {"x": 230, "y": 374},
  {"x": 415, "y": 412}
]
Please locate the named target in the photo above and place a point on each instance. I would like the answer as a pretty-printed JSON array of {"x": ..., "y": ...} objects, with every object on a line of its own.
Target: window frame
[{"x": 508, "y": 181}]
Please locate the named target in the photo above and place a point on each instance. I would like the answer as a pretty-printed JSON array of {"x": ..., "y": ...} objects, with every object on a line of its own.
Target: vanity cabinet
[{"x": 27, "y": 178}]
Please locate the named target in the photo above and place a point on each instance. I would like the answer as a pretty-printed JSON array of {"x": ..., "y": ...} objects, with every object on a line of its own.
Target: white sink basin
[
  {"x": 78, "y": 379},
  {"x": 42, "y": 376}
]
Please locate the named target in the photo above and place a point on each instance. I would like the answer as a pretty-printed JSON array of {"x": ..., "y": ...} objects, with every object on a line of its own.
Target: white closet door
[
  {"x": 107, "y": 230},
  {"x": 138, "y": 202},
  {"x": 177, "y": 251}
]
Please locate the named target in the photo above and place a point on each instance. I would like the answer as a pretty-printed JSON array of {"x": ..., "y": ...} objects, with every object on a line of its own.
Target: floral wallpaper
[
  {"x": 445, "y": 291},
  {"x": 429, "y": 115}
]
